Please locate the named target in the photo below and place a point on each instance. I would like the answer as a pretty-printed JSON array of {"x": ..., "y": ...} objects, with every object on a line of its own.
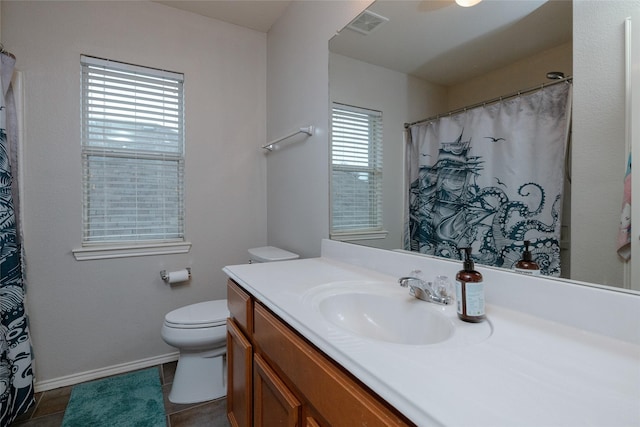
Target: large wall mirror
[{"x": 429, "y": 58}]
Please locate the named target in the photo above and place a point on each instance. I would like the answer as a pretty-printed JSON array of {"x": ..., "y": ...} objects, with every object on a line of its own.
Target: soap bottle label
[
  {"x": 535, "y": 272},
  {"x": 473, "y": 298}
]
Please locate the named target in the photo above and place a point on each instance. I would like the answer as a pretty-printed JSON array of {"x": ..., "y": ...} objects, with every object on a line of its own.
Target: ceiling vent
[{"x": 367, "y": 22}]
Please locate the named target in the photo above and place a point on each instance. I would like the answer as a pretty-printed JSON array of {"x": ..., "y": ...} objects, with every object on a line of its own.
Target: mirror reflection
[{"x": 429, "y": 58}]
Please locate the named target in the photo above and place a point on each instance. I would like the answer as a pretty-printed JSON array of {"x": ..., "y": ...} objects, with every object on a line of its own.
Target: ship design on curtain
[
  {"x": 16, "y": 373},
  {"x": 489, "y": 178},
  {"x": 449, "y": 210}
]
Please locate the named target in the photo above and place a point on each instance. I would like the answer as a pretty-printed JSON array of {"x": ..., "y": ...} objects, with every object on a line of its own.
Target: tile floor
[{"x": 48, "y": 410}]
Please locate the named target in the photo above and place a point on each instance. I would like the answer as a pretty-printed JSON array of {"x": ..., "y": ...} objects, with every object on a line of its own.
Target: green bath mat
[{"x": 128, "y": 400}]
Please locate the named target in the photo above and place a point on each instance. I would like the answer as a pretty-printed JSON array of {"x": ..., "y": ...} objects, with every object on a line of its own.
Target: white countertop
[{"x": 530, "y": 372}]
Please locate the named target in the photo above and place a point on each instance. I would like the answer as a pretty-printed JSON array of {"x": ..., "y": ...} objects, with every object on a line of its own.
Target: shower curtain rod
[{"x": 491, "y": 101}]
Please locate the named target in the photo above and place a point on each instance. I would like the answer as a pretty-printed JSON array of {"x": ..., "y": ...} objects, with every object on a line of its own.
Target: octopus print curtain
[
  {"x": 16, "y": 374},
  {"x": 490, "y": 178}
]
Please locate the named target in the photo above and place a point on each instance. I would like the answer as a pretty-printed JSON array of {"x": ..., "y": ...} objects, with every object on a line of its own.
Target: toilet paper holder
[{"x": 166, "y": 275}]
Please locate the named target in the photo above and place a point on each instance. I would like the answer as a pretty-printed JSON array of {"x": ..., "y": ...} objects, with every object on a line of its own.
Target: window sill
[
  {"x": 126, "y": 251},
  {"x": 359, "y": 235}
]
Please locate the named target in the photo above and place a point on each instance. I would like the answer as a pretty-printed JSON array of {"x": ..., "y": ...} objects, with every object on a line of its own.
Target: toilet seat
[{"x": 206, "y": 314}]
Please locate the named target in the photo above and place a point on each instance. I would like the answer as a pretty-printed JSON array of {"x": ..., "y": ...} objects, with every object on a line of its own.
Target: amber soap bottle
[
  {"x": 470, "y": 291},
  {"x": 527, "y": 265}
]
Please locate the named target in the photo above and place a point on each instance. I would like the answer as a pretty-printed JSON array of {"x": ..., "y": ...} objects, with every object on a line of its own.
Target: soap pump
[
  {"x": 527, "y": 265},
  {"x": 470, "y": 291}
]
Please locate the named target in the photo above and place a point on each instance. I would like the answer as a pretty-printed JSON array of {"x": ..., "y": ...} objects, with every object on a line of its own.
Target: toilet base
[{"x": 198, "y": 378}]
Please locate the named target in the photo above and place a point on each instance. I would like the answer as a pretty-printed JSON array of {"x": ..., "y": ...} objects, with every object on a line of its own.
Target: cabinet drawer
[
  {"x": 340, "y": 399},
  {"x": 241, "y": 307}
]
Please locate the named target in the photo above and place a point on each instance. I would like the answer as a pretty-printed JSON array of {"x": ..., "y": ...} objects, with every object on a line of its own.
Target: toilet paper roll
[{"x": 178, "y": 276}]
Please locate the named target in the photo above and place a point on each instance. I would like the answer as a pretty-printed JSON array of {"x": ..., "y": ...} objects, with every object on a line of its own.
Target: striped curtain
[
  {"x": 489, "y": 178},
  {"x": 16, "y": 374}
]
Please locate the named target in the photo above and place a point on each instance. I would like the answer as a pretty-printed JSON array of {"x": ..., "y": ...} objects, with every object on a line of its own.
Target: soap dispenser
[
  {"x": 527, "y": 265},
  {"x": 470, "y": 291}
]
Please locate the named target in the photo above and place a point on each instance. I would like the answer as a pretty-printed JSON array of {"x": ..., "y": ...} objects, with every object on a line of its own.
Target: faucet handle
[{"x": 443, "y": 287}]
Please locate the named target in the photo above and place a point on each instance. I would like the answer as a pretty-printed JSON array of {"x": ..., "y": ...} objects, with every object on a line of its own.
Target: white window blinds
[
  {"x": 356, "y": 161},
  {"x": 132, "y": 153}
]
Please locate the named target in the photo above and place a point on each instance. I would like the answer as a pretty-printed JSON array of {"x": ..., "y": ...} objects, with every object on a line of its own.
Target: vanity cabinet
[{"x": 290, "y": 382}]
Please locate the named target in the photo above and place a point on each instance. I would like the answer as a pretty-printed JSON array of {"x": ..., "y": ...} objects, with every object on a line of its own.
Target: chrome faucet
[{"x": 425, "y": 290}]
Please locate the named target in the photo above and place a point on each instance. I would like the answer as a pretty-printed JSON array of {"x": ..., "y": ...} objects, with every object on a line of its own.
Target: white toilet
[{"x": 199, "y": 331}]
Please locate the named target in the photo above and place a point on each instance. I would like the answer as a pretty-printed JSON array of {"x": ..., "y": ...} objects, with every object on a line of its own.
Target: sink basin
[
  {"x": 378, "y": 317},
  {"x": 386, "y": 313}
]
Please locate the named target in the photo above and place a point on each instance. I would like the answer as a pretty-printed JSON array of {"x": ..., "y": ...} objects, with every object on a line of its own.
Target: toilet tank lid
[
  {"x": 208, "y": 313},
  {"x": 271, "y": 253}
]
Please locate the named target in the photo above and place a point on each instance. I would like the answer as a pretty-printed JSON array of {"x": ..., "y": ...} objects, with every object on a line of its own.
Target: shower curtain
[
  {"x": 16, "y": 374},
  {"x": 489, "y": 178}
]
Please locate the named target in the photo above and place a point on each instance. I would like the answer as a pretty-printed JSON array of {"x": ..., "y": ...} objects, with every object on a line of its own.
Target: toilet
[{"x": 199, "y": 331}]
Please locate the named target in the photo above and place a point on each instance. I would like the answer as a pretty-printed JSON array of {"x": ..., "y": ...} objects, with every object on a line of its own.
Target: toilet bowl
[{"x": 199, "y": 332}]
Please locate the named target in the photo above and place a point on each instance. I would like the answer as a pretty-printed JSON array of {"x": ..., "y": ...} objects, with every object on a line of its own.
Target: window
[
  {"x": 132, "y": 154},
  {"x": 356, "y": 165}
]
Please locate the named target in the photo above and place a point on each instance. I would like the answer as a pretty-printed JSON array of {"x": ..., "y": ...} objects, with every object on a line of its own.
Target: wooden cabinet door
[
  {"x": 239, "y": 377},
  {"x": 274, "y": 404}
]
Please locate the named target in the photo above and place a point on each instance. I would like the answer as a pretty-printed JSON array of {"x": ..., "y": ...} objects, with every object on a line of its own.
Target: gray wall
[
  {"x": 298, "y": 95},
  {"x": 599, "y": 158},
  {"x": 91, "y": 315}
]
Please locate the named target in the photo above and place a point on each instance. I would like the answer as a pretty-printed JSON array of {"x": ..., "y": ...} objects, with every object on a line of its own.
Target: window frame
[
  {"x": 170, "y": 155},
  {"x": 375, "y": 229}
]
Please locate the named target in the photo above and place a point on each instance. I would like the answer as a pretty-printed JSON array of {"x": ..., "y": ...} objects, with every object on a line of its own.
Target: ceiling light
[{"x": 467, "y": 3}]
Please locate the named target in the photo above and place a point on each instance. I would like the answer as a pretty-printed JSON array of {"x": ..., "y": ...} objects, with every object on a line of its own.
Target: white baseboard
[{"x": 104, "y": 372}]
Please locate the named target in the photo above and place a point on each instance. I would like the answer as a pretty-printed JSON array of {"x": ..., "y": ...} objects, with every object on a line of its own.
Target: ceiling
[
  {"x": 258, "y": 15},
  {"x": 425, "y": 38}
]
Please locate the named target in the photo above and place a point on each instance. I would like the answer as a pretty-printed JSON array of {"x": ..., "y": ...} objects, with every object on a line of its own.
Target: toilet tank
[{"x": 270, "y": 254}]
